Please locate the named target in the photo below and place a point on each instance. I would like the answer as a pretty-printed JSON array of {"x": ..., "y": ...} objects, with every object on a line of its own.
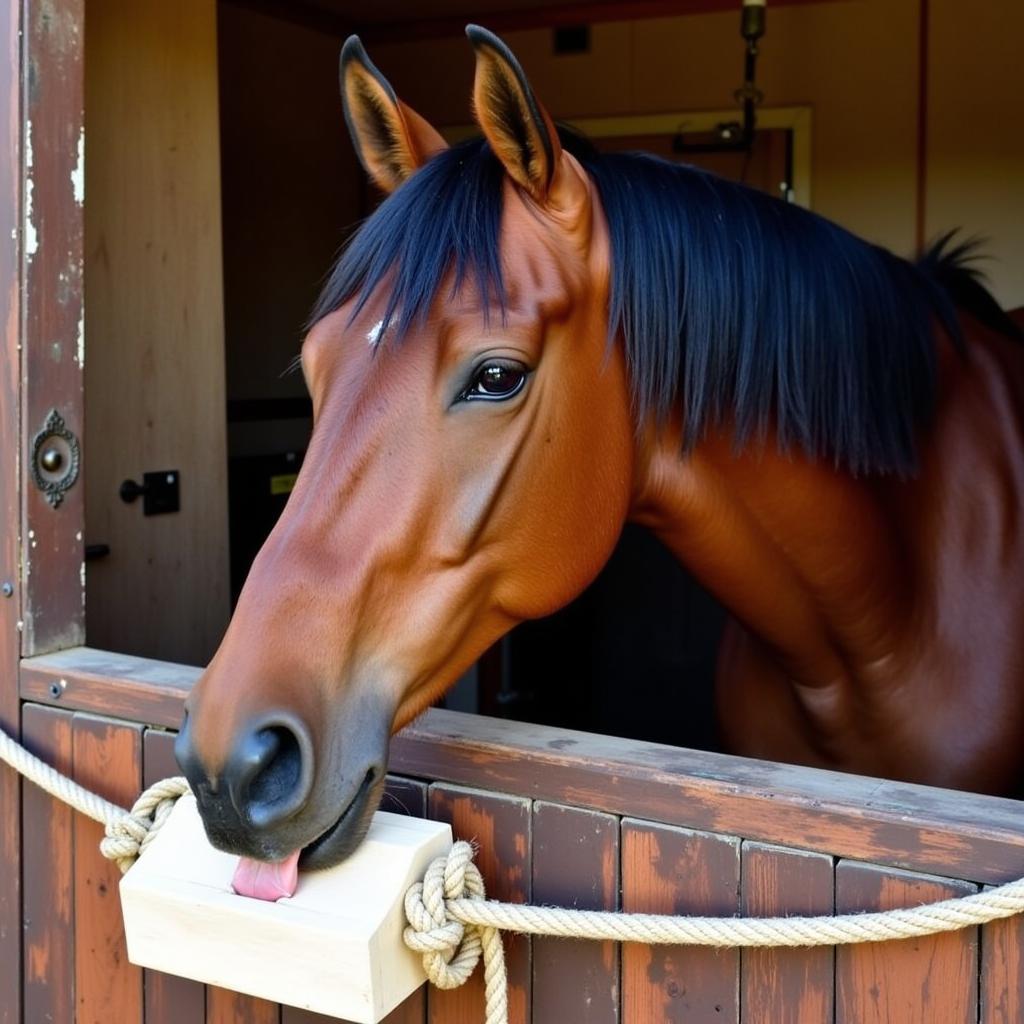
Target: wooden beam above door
[{"x": 403, "y": 19}]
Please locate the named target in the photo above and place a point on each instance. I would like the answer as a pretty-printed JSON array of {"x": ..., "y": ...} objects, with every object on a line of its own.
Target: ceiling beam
[
  {"x": 549, "y": 16},
  {"x": 305, "y": 15},
  {"x": 319, "y": 19}
]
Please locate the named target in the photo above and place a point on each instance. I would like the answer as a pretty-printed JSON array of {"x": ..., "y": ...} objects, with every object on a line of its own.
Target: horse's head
[{"x": 470, "y": 465}]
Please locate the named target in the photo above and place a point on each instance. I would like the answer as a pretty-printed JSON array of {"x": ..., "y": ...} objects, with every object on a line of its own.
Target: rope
[
  {"x": 451, "y": 947},
  {"x": 453, "y": 925},
  {"x": 449, "y": 919},
  {"x": 127, "y": 833}
]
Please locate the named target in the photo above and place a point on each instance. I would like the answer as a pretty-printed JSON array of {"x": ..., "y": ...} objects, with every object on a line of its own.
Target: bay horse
[{"x": 530, "y": 343}]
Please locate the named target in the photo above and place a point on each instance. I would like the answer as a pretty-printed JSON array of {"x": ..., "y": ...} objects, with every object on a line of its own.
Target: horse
[{"x": 529, "y": 344}]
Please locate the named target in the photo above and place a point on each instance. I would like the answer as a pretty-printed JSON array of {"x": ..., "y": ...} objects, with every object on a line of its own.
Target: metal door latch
[
  {"x": 56, "y": 458},
  {"x": 160, "y": 492}
]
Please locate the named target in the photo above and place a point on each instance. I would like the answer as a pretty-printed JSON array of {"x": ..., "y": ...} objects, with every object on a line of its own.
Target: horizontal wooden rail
[
  {"x": 105, "y": 683},
  {"x": 920, "y": 828}
]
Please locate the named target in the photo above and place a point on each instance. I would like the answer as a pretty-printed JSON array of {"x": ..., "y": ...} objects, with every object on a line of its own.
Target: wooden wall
[
  {"x": 154, "y": 326},
  {"x": 975, "y": 165},
  {"x": 547, "y": 809},
  {"x": 856, "y": 63}
]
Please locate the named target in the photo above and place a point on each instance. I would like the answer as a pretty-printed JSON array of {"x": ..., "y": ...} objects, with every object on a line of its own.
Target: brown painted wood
[
  {"x": 405, "y": 796},
  {"x": 412, "y": 1011},
  {"x": 916, "y": 981},
  {"x": 52, "y": 579},
  {"x": 168, "y": 1000},
  {"x": 668, "y": 870},
  {"x": 785, "y": 986},
  {"x": 502, "y": 827},
  {"x": 407, "y": 22},
  {"x": 914, "y": 827},
  {"x": 10, "y": 503},
  {"x": 1002, "y": 972},
  {"x": 224, "y": 1007},
  {"x": 290, "y": 1015},
  {"x": 918, "y": 827},
  {"x": 49, "y": 954},
  {"x": 104, "y": 682},
  {"x": 575, "y": 864},
  {"x": 107, "y": 759}
]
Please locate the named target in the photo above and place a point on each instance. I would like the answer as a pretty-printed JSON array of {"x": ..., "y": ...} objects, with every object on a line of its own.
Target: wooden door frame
[
  {"x": 41, "y": 263},
  {"x": 10, "y": 508}
]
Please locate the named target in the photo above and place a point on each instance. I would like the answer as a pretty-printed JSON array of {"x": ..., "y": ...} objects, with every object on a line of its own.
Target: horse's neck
[{"x": 805, "y": 557}]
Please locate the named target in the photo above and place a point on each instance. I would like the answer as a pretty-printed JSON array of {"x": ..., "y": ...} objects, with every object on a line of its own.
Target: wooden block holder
[{"x": 335, "y": 947}]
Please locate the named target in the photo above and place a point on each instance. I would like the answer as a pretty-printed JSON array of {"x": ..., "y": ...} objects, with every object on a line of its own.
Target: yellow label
[{"x": 283, "y": 483}]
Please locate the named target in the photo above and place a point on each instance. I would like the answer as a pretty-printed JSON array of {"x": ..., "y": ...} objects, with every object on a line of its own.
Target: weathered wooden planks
[
  {"x": 785, "y": 986},
  {"x": 412, "y": 1011},
  {"x": 405, "y": 796},
  {"x": 575, "y": 864},
  {"x": 919, "y": 827},
  {"x": 544, "y": 853},
  {"x": 10, "y": 503},
  {"x": 104, "y": 682},
  {"x": 927, "y": 829},
  {"x": 53, "y": 584},
  {"x": 107, "y": 759},
  {"x": 168, "y": 1000},
  {"x": 668, "y": 870},
  {"x": 49, "y": 954},
  {"x": 916, "y": 981},
  {"x": 1002, "y": 972},
  {"x": 224, "y": 1007},
  {"x": 502, "y": 826}
]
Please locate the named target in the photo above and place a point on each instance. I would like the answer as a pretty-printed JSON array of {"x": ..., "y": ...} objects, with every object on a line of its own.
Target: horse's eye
[{"x": 496, "y": 381}]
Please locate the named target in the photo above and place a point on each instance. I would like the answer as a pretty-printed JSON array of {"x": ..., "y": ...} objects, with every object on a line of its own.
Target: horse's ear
[
  {"x": 391, "y": 139},
  {"x": 518, "y": 128}
]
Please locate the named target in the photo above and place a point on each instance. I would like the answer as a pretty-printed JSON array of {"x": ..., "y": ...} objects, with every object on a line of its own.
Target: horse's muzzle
[{"x": 261, "y": 804}]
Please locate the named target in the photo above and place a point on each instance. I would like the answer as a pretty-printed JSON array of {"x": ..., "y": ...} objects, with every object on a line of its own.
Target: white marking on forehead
[{"x": 373, "y": 335}]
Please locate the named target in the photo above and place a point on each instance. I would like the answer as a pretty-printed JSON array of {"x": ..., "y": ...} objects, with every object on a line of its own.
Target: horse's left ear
[
  {"x": 518, "y": 128},
  {"x": 391, "y": 139}
]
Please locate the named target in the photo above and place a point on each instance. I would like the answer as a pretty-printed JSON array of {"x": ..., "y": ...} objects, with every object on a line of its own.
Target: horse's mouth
[{"x": 341, "y": 839}]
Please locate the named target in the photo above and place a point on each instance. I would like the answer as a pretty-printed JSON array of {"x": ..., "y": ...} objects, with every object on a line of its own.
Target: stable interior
[{"x": 220, "y": 183}]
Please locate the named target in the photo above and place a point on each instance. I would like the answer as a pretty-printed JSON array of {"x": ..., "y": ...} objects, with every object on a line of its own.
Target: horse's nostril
[
  {"x": 271, "y": 773},
  {"x": 274, "y": 755}
]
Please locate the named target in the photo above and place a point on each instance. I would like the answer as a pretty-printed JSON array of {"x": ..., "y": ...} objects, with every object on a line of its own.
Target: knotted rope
[
  {"x": 127, "y": 833},
  {"x": 451, "y": 947},
  {"x": 452, "y": 923},
  {"x": 450, "y": 920}
]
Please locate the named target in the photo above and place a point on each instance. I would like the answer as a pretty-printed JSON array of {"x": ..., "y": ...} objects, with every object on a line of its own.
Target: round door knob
[
  {"x": 51, "y": 459},
  {"x": 130, "y": 490}
]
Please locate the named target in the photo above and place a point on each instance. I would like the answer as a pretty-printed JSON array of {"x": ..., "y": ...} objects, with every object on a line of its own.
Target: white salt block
[{"x": 335, "y": 947}]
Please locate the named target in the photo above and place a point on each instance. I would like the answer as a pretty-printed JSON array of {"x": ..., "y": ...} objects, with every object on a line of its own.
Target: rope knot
[
  {"x": 127, "y": 835},
  {"x": 450, "y": 948}
]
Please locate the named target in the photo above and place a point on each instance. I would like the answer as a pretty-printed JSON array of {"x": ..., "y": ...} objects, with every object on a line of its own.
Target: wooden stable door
[{"x": 154, "y": 328}]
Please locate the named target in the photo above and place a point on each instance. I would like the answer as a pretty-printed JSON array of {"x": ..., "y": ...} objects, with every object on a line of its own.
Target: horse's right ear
[{"x": 391, "y": 139}]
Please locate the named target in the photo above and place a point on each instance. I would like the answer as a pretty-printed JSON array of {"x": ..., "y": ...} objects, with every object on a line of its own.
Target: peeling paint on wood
[
  {"x": 78, "y": 171},
  {"x": 52, "y": 98},
  {"x": 31, "y": 235}
]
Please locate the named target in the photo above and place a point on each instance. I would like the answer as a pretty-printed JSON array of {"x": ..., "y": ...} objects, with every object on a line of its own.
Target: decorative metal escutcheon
[{"x": 56, "y": 458}]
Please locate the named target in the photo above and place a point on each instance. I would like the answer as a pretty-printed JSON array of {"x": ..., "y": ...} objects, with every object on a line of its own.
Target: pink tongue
[{"x": 264, "y": 881}]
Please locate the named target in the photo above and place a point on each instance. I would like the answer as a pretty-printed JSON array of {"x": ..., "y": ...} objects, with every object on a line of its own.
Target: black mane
[{"x": 744, "y": 310}]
